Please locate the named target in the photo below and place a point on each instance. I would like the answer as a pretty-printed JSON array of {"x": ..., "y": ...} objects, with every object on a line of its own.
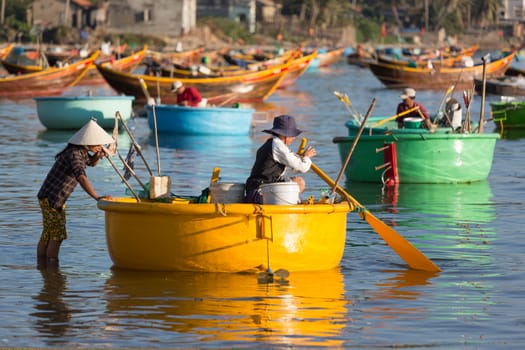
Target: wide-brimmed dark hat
[{"x": 284, "y": 125}]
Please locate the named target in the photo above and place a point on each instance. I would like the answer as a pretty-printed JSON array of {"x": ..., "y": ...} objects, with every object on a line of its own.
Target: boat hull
[
  {"x": 250, "y": 87},
  {"x": 502, "y": 86},
  {"x": 73, "y": 112},
  {"x": 52, "y": 81},
  {"x": 200, "y": 120},
  {"x": 509, "y": 114},
  {"x": 393, "y": 75},
  {"x": 421, "y": 157},
  {"x": 182, "y": 236}
]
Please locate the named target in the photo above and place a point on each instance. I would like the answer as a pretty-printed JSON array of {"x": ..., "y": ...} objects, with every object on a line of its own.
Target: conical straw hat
[{"x": 91, "y": 134}]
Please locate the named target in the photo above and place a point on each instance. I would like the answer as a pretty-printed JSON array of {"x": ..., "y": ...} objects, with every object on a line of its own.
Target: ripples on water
[{"x": 471, "y": 231}]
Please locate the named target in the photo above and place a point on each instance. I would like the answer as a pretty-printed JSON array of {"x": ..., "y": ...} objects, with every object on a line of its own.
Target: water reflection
[
  {"x": 55, "y": 136},
  {"x": 453, "y": 202},
  {"x": 202, "y": 144},
  {"x": 511, "y": 133},
  {"x": 63, "y": 136},
  {"x": 52, "y": 314},
  {"x": 394, "y": 299},
  {"x": 308, "y": 309},
  {"x": 450, "y": 222},
  {"x": 402, "y": 284}
]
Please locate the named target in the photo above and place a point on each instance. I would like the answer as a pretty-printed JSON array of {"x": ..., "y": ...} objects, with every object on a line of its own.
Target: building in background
[
  {"x": 54, "y": 13},
  {"x": 154, "y": 17},
  {"x": 169, "y": 17}
]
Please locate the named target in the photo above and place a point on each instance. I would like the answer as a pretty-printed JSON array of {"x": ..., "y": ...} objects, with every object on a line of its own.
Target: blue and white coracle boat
[
  {"x": 201, "y": 120},
  {"x": 73, "y": 112}
]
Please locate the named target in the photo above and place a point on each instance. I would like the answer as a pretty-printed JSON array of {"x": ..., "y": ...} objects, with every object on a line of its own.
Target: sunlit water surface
[{"x": 472, "y": 231}]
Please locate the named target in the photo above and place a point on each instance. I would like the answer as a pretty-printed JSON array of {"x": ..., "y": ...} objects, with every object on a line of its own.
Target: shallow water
[{"x": 472, "y": 231}]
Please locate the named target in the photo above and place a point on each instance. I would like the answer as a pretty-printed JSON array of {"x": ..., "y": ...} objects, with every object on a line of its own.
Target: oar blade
[{"x": 406, "y": 251}]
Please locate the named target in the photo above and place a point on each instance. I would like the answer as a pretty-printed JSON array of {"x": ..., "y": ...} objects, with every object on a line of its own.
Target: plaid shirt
[{"x": 63, "y": 176}]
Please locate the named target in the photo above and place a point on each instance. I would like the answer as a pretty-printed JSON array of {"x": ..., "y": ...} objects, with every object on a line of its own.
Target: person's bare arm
[{"x": 86, "y": 185}]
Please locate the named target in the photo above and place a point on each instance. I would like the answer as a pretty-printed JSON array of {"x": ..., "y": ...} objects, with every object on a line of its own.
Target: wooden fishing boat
[
  {"x": 360, "y": 60},
  {"x": 92, "y": 76},
  {"x": 224, "y": 237},
  {"x": 389, "y": 155},
  {"x": 73, "y": 112},
  {"x": 442, "y": 59},
  {"x": 393, "y": 75},
  {"x": 514, "y": 71},
  {"x": 52, "y": 81},
  {"x": 192, "y": 56},
  {"x": 297, "y": 68},
  {"x": 249, "y": 87},
  {"x": 214, "y": 71},
  {"x": 23, "y": 60},
  {"x": 503, "y": 86},
  {"x": 200, "y": 120},
  {"x": 4, "y": 51},
  {"x": 125, "y": 64},
  {"x": 17, "y": 69},
  {"x": 199, "y": 71},
  {"x": 508, "y": 114},
  {"x": 326, "y": 58}
]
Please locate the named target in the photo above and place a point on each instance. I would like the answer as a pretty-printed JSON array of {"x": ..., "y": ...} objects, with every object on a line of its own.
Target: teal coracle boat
[
  {"x": 201, "y": 120},
  {"x": 389, "y": 155},
  {"x": 73, "y": 112},
  {"x": 509, "y": 114}
]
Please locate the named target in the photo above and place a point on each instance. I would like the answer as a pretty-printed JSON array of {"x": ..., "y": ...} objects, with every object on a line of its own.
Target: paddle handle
[
  {"x": 137, "y": 146},
  {"x": 483, "y": 92},
  {"x": 144, "y": 88},
  {"x": 120, "y": 175},
  {"x": 383, "y": 121},
  {"x": 354, "y": 144}
]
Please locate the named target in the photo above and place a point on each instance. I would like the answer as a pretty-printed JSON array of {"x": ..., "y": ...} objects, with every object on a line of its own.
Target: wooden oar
[
  {"x": 484, "y": 85},
  {"x": 406, "y": 251},
  {"x": 145, "y": 89},
  {"x": 108, "y": 157},
  {"x": 354, "y": 144},
  {"x": 383, "y": 121},
  {"x": 137, "y": 146}
]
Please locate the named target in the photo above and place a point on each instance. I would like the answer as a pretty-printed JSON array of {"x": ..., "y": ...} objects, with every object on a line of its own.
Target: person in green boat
[
  {"x": 409, "y": 96},
  {"x": 274, "y": 157},
  {"x": 68, "y": 171}
]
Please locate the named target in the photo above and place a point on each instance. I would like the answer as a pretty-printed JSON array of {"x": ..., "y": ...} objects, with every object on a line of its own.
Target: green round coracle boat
[
  {"x": 509, "y": 114},
  {"x": 390, "y": 155}
]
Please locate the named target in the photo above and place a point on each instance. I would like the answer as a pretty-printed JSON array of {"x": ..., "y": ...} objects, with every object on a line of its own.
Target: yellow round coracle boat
[{"x": 216, "y": 237}]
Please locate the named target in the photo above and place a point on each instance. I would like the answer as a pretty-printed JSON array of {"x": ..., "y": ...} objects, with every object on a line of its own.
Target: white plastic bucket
[
  {"x": 280, "y": 193},
  {"x": 227, "y": 192}
]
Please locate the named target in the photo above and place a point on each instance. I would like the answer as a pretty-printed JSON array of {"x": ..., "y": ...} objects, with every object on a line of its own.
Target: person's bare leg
[
  {"x": 41, "y": 254},
  {"x": 53, "y": 248}
]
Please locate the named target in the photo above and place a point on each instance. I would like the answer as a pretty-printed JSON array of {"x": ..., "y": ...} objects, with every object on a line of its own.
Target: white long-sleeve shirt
[{"x": 282, "y": 154}]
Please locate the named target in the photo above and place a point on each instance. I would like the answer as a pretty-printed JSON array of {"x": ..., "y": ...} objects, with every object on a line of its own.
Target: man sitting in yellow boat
[{"x": 274, "y": 157}]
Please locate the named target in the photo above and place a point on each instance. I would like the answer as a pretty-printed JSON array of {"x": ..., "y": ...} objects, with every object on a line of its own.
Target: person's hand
[
  {"x": 310, "y": 152},
  {"x": 104, "y": 197},
  {"x": 100, "y": 154}
]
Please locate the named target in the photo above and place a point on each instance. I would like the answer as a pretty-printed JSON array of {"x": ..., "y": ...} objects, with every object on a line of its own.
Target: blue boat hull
[
  {"x": 73, "y": 112},
  {"x": 200, "y": 121}
]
